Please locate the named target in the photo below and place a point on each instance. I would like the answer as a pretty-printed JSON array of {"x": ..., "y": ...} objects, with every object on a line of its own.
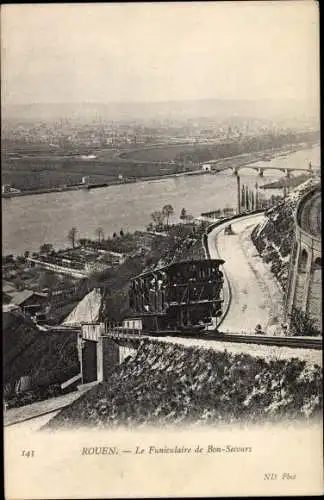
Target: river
[{"x": 29, "y": 221}]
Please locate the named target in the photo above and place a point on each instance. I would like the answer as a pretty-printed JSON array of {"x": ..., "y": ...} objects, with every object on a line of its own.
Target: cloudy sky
[{"x": 147, "y": 52}]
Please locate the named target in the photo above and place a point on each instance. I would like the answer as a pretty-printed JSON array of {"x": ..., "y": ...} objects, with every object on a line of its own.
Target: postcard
[{"x": 161, "y": 256}]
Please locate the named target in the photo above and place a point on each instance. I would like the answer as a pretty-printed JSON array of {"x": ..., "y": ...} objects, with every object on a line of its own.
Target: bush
[{"x": 301, "y": 324}]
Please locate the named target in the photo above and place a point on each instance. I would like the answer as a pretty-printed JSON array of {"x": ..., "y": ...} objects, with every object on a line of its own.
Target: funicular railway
[{"x": 180, "y": 297}]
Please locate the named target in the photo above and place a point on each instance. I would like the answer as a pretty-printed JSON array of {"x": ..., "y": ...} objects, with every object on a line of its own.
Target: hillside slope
[
  {"x": 173, "y": 384},
  {"x": 44, "y": 358},
  {"x": 274, "y": 238}
]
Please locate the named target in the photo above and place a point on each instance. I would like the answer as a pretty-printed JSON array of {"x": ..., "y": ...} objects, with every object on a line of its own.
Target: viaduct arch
[{"x": 304, "y": 289}]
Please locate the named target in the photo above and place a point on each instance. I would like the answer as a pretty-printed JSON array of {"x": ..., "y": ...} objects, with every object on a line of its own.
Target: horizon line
[{"x": 249, "y": 99}]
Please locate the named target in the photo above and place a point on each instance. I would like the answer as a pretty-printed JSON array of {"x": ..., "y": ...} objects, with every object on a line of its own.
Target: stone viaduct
[{"x": 304, "y": 290}]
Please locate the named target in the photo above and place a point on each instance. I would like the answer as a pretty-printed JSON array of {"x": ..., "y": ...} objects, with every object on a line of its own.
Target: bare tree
[
  {"x": 183, "y": 213},
  {"x": 167, "y": 211},
  {"x": 157, "y": 217},
  {"x": 100, "y": 234},
  {"x": 72, "y": 235}
]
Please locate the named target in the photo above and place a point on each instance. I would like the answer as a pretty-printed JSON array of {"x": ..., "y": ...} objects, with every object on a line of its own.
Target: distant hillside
[{"x": 210, "y": 108}]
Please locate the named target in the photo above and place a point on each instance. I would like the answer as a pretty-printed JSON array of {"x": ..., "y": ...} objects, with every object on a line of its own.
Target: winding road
[{"x": 251, "y": 294}]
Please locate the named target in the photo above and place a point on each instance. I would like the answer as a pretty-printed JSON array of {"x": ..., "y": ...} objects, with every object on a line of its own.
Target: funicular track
[{"x": 293, "y": 342}]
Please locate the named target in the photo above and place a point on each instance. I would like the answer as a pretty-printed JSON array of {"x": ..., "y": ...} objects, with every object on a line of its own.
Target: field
[
  {"x": 49, "y": 169},
  {"x": 33, "y": 173},
  {"x": 158, "y": 153}
]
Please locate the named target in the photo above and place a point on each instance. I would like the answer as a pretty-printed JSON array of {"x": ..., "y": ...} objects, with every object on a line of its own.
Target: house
[
  {"x": 29, "y": 300},
  {"x": 8, "y": 287}
]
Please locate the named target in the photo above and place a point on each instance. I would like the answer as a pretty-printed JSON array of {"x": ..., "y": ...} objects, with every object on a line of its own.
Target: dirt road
[{"x": 254, "y": 296}]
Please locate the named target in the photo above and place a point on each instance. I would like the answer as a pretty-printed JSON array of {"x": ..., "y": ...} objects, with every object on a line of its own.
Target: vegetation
[
  {"x": 180, "y": 242},
  {"x": 45, "y": 358},
  {"x": 201, "y": 153},
  {"x": 72, "y": 236},
  {"x": 301, "y": 324},
  {"x": 45, "y": 168},
  {"x": 170, "y": 384},
  {"x": 167, "y": 212},
  {"x": 99, "y": 234},
  {"x": 46, "y": 248},
  {"x": 159, "y": 217},
  {"x": 274, "y": 239}
]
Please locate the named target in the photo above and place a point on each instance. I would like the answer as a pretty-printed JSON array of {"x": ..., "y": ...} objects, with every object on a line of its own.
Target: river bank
[
  {"x": 219, "y": 165},
  {"x": 29, "y": 221},
  {"x": 284, "y": 182}
]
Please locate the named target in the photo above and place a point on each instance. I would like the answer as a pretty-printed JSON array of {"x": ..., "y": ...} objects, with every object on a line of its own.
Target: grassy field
[
  {"x": 49, "y": 169},
  {"x": 33, "y": 173},
  {"x": 158, "y": 153}
]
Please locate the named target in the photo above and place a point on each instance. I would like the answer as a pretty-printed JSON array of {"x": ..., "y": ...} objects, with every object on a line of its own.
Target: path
[
  {"x": 15, "y": 415},
  {"x": 255, "y": 296}
]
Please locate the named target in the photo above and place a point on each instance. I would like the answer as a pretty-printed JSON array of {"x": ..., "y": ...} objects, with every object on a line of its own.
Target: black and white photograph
[{"x": 161, "y": 249}]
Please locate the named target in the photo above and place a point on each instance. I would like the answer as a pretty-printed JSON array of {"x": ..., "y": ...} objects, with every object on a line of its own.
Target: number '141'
[{"x": 28, "y": 453}]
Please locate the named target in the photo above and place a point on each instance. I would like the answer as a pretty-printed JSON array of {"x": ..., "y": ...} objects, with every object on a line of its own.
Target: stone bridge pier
[{"x": 304, "y": 287}]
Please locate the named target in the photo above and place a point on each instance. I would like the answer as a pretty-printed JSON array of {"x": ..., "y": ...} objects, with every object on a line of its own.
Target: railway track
[{"x": 293, "y": 342}]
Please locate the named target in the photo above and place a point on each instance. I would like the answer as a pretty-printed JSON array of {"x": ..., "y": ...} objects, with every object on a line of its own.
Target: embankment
[
  {"x": 274, "y": 237},
  {"x": 35, "y": 360},
  {"x": 173, "y": 384}
]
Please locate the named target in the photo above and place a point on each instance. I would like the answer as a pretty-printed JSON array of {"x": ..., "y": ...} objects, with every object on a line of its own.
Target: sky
[{"x": 73, "y": 53}]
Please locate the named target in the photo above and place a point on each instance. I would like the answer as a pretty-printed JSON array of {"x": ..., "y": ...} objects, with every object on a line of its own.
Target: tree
[
  {"x": 247, "y": 198},
  {"x": 252, "y": 201},
  {"x": 167, "y": 211},
  {"x": 243, "y": 197},
  {"x": 8, "y": 259},
  {"x": 256, "y": 196},
  {"x": 26, "y": 254},
  {"x": 157, "y": 217},
  {"x": 83, "y": 242},
  {"x": 183, "y": 213},
  {"x": 301, "y": 324},
  {"x": 46, "y": 248},
  {"x": 47, "y": 279},
  {"x": 72, "y": 235},
  {"x": 121, "y": 232},
  {"x": 115, "y": 235},
  {"x": 100, "y": 234}
]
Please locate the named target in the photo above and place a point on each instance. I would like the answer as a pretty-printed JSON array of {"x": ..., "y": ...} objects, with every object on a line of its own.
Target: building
[
  {"x": 28, "y": 300},
  {"x": 6, "y": 188}
]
